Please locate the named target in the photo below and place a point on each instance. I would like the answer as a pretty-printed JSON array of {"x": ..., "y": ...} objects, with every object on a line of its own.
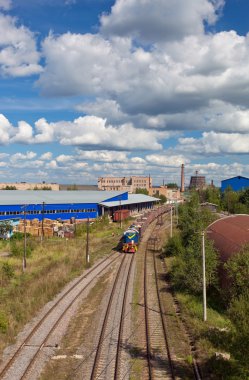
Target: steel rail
[
  {"x": 195, "y": 366},
  {"x": 147, "y": 327},
  {"x": 104, "y": 324},
  {"x": 36, "y": 327},
  {"x": 121, "y": 325},
  {"x": 161, "y": 308}
]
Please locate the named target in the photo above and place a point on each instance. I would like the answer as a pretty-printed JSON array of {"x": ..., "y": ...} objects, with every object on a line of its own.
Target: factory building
[
  {"x": 64, "y": 205},
  {"x": 129, "y": 184},
  {"x": 172, "y": 194},
  {"x": 236, "y": 183},
  {"x": 197, "y": 182}
]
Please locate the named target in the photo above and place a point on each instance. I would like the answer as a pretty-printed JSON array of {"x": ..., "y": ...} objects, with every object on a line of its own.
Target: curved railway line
[
  {"x": 21, "y": 362},
  {"x": 109, "y": 357},
  {"x": 107, "y": 362},
  {"x": 160, "y": 362}
]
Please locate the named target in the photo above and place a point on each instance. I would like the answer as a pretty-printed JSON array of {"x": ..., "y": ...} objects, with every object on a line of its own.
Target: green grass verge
[{"x": 50, "y": 266}]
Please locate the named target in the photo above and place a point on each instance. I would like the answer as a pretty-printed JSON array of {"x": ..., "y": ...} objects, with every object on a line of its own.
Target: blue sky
[{"x": 92, "y": 88}]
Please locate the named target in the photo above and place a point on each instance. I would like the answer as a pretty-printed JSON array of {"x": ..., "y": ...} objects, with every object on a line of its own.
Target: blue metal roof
[{"x": 236, "y": 183}]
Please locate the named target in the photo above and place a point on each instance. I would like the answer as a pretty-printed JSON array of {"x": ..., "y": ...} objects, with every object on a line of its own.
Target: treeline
[
  {"x": 10, "y": 187},
  {"x": 234, "y": 202},
  {"x": 186, "y": 273}
]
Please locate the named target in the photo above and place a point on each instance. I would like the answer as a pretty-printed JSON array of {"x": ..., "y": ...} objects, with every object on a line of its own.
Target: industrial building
[
  {"x": 64, "y": 205},
  {"x": 236, "y": 183},
  {"x": 172, "y": 194},
  {"x": 129, "y": 184},
  {"x": 197, "y": 182}
]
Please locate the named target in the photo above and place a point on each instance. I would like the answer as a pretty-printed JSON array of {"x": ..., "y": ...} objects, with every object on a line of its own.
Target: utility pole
[
  {"x": 171, "y": 222},
  {"x": 87, "y": 243},
  {"x": 204, "y": 277},
  {"x": 120, "y": 215},
  {"x": 24, "y": 261},
  {"x": 42, "y": 234},
  {"x": 176, "y": 212}
]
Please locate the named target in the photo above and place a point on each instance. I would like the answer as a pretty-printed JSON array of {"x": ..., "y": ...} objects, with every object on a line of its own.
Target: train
[{"x": 130, "y": 240}]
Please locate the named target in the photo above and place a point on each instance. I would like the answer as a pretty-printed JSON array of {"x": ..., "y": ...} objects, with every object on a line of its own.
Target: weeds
[{"x": 50, "y": 265}]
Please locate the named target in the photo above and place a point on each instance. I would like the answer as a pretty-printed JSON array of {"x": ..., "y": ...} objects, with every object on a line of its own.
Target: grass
[
  {"x": 50, "y": 267},
  {"x": 211, "y": 336}
]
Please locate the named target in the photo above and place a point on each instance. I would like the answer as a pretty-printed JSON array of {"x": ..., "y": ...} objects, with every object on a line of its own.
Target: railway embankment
[{"x": 50, "y": 266}]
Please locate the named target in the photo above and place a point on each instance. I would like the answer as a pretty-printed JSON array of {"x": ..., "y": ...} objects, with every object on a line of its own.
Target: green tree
[
  {"x": 237, "y": 269},
  {"x": 5, "y": 227},
  {"x": 230, "y": 200},
  {"x": 174, "y": 246},
  {"x": 239, "y": 315},
  {"x": 193, "y": 219},
  {"x": 244, "y": 197},
  {"x": 187, "y": 264},
  {"x": 213, "y": 195},
  {"x": 187, "y": 267},
  {"x": 163, "y": 199},
  {"x": 9, "y": 187},
  {"x": 141, "y": 191},
  {"x": 172, "y": 185}
]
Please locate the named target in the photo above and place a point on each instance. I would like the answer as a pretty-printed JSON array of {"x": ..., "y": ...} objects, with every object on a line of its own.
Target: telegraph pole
[
  {"x": 42, "y": 234},
  {"x": 171, "y": 222},
  {"x": 87, "y": 243},
  {"x": 120, "y": 214},
  {"x": 204, "y": 277},
  {"x": 24, "y": 261}
]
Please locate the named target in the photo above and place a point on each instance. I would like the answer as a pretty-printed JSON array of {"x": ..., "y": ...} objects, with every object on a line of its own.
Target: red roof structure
[{"x": 229, "y": 235}]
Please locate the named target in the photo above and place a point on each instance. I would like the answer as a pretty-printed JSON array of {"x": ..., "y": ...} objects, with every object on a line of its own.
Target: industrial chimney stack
[{"x": 182, "y": 179}]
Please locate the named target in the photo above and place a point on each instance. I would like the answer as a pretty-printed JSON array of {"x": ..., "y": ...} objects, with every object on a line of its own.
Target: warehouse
[
  {"x": 64, "y": 205},
  {"x": 236, "y": 183},
  {"x": 134, "y": 203}
]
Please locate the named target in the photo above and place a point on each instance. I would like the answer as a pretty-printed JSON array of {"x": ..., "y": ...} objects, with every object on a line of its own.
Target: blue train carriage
[{"x": 130, "y": 240}]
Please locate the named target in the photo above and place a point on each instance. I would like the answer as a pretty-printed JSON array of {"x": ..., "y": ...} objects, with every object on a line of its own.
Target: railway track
[
  {"x": 108, "y": 363},
  {"x": 195, "y": 367},
  {"x": 159, "y": 360},
  {"x": 23, "y": 361}
]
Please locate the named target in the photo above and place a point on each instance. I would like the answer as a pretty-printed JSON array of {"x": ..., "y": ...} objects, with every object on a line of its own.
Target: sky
[{"x": 92, "y": 88}]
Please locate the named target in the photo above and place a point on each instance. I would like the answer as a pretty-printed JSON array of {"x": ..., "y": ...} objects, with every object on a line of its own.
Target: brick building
[
  {"x": 172, "y": 194},
  {"x": 129, "y": 184}
]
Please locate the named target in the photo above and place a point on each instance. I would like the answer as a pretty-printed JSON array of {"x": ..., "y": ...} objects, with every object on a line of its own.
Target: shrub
[
  {"x": 174, "y": 246},
  {"x": 17, "y": 248},
  {"x": 239, "y": 314},
  {"x": 3, "y": 322},
  {"x": 237, "y": 268},
  {"x": 8, "y": 270}
]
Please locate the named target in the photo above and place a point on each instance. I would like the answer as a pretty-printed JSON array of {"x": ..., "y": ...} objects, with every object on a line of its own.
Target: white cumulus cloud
[
  {"x": 18, "y": 54},
  {"x": 159, "y": 20}
]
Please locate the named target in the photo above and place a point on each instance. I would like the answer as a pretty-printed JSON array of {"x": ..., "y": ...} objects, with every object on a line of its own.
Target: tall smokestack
[{"x": 182, "y": 179}]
